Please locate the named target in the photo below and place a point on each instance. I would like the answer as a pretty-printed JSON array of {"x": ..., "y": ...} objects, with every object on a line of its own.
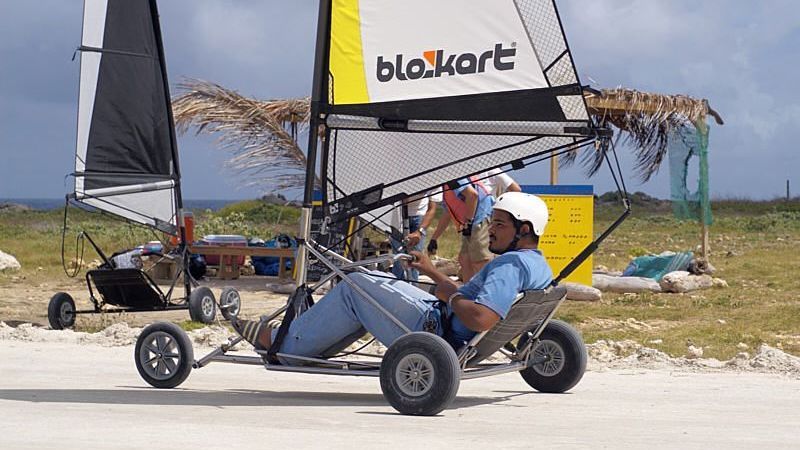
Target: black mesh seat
[
  {"x": 130, "y": 288},
  {"x": 532, "y": 309}
]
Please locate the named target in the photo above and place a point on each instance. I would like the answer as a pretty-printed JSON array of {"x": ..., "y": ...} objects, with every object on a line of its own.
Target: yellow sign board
[{"x": 569, "y": 230}]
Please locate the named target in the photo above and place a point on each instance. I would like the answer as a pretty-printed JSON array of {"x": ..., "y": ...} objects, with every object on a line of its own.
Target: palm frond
[
  {"x": 261, "y": 135},
  {"x": 646, "y": 120}
]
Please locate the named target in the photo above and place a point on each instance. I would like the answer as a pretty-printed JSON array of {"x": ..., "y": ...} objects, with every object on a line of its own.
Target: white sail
[{"x": 126, "y": 159}]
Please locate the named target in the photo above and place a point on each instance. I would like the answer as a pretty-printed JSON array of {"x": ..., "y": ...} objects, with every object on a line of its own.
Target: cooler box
[{"x": 233, "y": 240}]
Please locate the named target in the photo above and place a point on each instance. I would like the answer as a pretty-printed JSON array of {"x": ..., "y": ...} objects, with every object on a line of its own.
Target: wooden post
[
  {"x": 704, "y": 246},
  {"x": 554, "y": 170}
]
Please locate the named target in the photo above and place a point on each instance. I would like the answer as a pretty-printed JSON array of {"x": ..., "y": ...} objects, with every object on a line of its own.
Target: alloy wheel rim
[
  {"x": 160, "y": 356},
  {"x": 554, "y": 358},
  {"x": 414, "y": 375}
]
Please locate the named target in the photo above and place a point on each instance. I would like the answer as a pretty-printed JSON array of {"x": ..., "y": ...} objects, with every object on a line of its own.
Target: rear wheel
[
  {"x": 420, "y": 374},
  {"x": 163, "y": 355},
  {"x": 202, "y": 305},
  {"x": 61, "y": 311},
  {"x": 559, "y": 357},
  {"x": 230, "y": 302}
]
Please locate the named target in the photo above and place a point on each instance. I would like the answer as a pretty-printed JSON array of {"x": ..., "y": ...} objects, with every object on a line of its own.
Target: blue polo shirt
[{"x": 498, "y": 283}]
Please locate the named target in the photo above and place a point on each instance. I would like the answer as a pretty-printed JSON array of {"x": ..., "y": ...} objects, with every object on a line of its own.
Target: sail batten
[{"x": 125, "y": 163}]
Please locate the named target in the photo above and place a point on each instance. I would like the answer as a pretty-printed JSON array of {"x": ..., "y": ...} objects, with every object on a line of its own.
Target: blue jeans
[
  {"x": 397, "y": 269},
  {"x": 342, "y": 316}
]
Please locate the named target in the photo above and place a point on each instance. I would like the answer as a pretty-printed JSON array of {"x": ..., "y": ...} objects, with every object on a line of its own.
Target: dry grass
[{"x": 757, "y": 254}]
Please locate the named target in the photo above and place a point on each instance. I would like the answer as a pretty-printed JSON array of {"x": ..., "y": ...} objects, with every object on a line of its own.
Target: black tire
[
  {"x": 418, "y": 392},
  {"x": 564, "y": 345},
  {"x": 202, "y": 305},
  {"x": 163, "y": 355},
  {"x": 61, "y": 311},
  {"x": 230, "y": 296}
]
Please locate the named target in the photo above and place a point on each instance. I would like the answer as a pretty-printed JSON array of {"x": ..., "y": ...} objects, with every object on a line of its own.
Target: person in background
[
  {"x": 469, "y": 207},
  {"x": 498, "y": 183},
  {"x": 421, "y": 211}
]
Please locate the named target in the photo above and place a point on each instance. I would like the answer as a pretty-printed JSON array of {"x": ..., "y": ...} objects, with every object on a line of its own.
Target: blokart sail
[
  {"x": 126, "y": 160},
  {"x": 412, "y": 95}
]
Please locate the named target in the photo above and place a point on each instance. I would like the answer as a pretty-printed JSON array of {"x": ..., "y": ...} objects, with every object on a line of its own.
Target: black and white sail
[
  {"x": 419, "y": 93},
  {"x": 126, "y": 160}
]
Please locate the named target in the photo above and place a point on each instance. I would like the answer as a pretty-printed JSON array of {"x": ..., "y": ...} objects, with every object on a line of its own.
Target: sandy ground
[
  {"x": 70, "y": 395},
  {"x": 24, "y": 301},
  {"x": 73, "y": 389}
]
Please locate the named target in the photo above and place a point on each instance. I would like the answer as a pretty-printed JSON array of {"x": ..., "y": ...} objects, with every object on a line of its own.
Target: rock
[
  {"x": 682, "y": 281},
  {"x": 282, "y": 288},
  {"x": 656, "y": 341},
  {"x": 700, "y": 266},
  {"x": 580, "y": 292},
  {"x": 693, "y": 352},
  {"x": 719, "y": 283},
  {"x": 8, "y": 262},
  {"x": 721, "y": 321},
  {"x": 608, "y": 283},
  {"x": 75, "y": 263},
  {"x": 446, "y": 266},
  {"x": 742, "y": 346}
]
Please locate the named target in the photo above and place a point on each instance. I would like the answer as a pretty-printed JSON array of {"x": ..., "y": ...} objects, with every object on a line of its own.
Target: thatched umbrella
[
  {"x": 648, "y": 120},
  {"x": 262, "y": 135}
]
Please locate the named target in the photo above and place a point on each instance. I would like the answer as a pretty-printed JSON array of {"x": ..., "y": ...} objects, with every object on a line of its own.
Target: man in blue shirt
[{"x": 342, "y": 315}]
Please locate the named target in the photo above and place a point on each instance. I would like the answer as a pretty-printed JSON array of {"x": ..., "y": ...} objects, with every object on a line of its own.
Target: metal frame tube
[{"x": 358, "y": 289}]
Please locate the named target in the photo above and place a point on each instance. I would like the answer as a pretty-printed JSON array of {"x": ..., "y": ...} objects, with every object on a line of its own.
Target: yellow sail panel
[{"x": 346, "y": 56}]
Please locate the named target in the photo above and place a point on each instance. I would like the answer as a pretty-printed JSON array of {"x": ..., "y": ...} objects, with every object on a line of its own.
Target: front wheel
[
  {"x": 202, "y": 305},
  {"x": 420, "y": 374},
  {"x": 558, "y": 359},
  {"x": 230, "y": 302},
  {"x": 163, "y": 355},
  {"x": 61, "y": 311}
]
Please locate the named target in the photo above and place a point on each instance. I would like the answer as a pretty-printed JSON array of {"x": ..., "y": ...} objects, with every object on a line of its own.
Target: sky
[{"x": 741, "y": 55}]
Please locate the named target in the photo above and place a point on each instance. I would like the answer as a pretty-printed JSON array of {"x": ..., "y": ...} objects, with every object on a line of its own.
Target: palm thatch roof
[
  {"x": 647, "y": 121},
  {"x": 262, "y": 135}
]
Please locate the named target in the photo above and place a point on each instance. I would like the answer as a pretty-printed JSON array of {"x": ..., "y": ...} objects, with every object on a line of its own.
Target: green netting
[{"x": 684, "y": 144}]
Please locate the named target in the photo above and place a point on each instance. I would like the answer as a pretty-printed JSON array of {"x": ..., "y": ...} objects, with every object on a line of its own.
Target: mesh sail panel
[{"x": 411, "y": 163}]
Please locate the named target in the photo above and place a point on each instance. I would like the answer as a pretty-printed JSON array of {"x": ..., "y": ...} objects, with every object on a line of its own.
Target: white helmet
[{"x": 524, "y": 208}]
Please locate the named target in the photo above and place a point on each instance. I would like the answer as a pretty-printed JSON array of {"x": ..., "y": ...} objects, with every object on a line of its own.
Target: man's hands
[
  {"x": 414, "y": 238},
  {"x": 422, "y": 263},
  {"x": 433, "y": 246}
]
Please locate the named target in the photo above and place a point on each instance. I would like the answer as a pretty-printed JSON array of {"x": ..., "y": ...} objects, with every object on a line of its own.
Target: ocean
[{"x": 57, "y": 203}]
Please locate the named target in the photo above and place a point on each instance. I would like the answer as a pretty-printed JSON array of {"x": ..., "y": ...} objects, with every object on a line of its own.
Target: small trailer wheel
[
  {"x": 202, "y": 305},
  {"x": 564, "y": 354},
  {"x": 420, "y": 374},
  {"x": 163, "y": 355},
  {"x": 230, "y": 302},
  {"x": 61, "y": 311}
]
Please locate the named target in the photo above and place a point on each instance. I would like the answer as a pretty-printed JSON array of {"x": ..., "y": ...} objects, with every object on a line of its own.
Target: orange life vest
[{"x": 456, "y": 205}]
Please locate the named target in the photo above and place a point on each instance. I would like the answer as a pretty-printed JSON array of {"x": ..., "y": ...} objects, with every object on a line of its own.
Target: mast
[
  {"x": 319, "y": 88},
  {"x": 179, "y": 220}
]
